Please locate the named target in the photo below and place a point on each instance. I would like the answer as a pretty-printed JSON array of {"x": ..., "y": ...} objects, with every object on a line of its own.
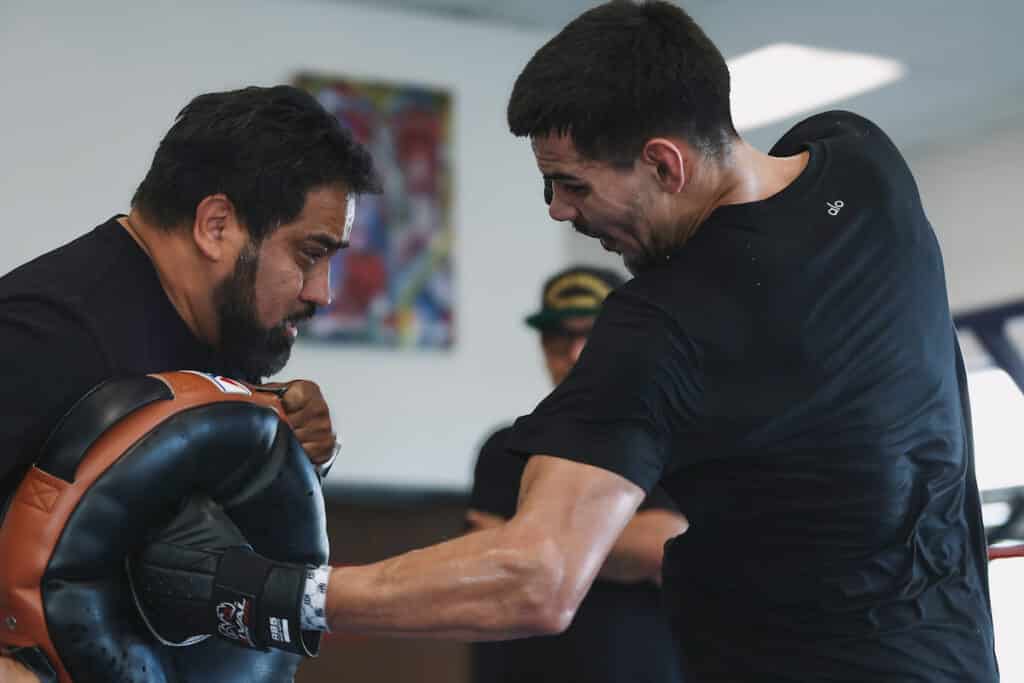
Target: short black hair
[
  {"x": 621, "y": 74},
  {"x": 264, "y": 148}
]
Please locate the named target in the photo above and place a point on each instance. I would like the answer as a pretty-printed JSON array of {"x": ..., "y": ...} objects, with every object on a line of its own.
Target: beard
[{"x": 255, "y": 351}]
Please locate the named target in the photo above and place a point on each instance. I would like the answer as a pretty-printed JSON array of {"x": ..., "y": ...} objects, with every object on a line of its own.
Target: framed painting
[{"x": 393, "y": 286}]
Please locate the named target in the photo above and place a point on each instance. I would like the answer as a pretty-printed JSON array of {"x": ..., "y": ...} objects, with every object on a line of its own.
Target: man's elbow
[
  {"x": 553, "y": 622},
  {"x": 548, "y": 619},
  {"x": 547, "y": 603}
]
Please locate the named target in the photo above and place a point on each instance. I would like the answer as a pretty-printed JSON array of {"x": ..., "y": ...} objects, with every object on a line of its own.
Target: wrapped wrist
[
  {"x": 235, "y": 593},
  {"x": 257, "y": 602}
]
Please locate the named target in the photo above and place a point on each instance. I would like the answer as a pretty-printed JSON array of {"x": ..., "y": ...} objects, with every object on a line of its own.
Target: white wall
[
  {"x": 89, "y": 88},
  {"x": 971, "y": 186}
]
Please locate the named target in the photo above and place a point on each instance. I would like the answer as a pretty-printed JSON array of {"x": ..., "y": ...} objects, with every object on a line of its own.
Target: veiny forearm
[
  {"x": 495, "y": 584},
  {"x": 522, "y": 578}
]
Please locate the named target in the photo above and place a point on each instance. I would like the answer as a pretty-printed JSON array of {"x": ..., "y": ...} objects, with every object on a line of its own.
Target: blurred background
[{"x": 89, "y": 89}]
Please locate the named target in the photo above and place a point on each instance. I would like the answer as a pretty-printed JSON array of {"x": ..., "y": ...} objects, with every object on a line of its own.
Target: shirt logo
[{"x": 834, "y": 207}]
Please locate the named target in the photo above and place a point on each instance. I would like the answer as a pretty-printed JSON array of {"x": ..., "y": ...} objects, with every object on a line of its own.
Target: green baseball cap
[{"x": 573, "y": 292}]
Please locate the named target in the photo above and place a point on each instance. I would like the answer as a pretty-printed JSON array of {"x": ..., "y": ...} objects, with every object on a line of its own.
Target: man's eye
[
  {"x": 312, "y": 257},
  {"x": 575, "y": 190}
]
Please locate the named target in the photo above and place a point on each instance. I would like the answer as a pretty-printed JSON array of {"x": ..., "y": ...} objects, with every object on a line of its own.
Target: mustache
[{"x": 305, "y": 314}]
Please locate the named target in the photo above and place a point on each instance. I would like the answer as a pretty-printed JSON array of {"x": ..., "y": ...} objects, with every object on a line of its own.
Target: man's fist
[
  {"x": 200, "y": 577},
  {"x": 309, "y": 417}
]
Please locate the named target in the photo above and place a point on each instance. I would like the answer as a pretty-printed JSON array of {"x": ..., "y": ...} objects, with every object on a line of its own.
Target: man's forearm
[
  {"x": 495, "y": 584},
  {"x": 526, "y": 577},
  {"x": 638, "y": 552}
]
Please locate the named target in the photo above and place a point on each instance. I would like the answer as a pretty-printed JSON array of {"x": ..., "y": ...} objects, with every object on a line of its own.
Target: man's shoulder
[
  {"x": 856, "y": 145},
  {"x": 668, "y": 299},
  {"x": 829, "y": 125},
  {"x": 494, "y": 444},
  {"x": 95, "y": 273},
  {"x": 68, "y": 276},
  {"x": 651, "y": 289}
]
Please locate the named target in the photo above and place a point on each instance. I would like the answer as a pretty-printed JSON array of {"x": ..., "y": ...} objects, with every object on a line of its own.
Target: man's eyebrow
[
  {"x": 328, "y": 241},
  {"x": 561, "y": 178}
]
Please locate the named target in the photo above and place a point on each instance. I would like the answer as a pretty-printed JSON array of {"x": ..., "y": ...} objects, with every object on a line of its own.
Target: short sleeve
[
  {"x": 629, "y": 402},
  {"x": 496, "y": 477},
  {"x": 52, "y": 361},
  {"x": 658, "y": 499}
]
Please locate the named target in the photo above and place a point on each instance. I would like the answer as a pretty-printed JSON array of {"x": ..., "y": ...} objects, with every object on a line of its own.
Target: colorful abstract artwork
[{"x": 393, "y": 286}]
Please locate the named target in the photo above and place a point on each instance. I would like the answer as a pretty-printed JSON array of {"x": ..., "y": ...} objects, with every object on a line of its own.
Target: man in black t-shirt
[
  {"x": 783, "y": 364},
  {"x": 622, "y": 614},
  {"x": 226, "y": 247}
]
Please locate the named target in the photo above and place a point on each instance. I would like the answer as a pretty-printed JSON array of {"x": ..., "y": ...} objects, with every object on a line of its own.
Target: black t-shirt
[
  {"x": 84, "y": 313},
  {"x": 792, "y": 379},
  {"x": 621, "y": 631}
]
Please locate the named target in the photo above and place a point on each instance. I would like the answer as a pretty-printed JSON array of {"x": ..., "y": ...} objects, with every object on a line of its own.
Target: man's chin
[
  {"x": 279, "y": 357},
  {"x": 269, "y": 365},
  {"x": 267, "y": 361}
]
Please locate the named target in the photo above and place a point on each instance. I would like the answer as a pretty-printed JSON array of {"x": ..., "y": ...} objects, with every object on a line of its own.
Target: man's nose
[
  {"x": 561, "y": 210},
  {"x": 317, "y": 287}
]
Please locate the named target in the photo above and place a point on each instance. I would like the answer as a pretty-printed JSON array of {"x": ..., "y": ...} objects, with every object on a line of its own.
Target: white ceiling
[
  {"x": 965, "y": 72},
  {"x": 547, "y": 15}
]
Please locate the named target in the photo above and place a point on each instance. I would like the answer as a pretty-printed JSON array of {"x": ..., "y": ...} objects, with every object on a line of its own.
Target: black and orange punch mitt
[{"x": 127, "y": 459}]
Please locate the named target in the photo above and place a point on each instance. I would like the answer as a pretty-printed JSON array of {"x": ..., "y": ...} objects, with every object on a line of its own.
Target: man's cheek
[
  {"x": 275, "y": 294},
  {"x": 269, "y": 313}
]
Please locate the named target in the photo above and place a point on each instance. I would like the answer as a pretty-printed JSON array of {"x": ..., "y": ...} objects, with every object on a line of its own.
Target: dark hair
[
  {"x": 621, "y": 74},
  {"x": 265, "y": 148}
]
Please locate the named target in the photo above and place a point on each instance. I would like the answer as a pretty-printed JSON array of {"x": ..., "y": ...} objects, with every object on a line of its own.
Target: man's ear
[
  {"x": 666, "y": 158},
  {"x": 217, "y": 232}
]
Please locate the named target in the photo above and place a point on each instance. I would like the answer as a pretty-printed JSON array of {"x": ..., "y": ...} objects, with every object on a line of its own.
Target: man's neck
[
  {"x": 178, "y": 272},
  {"x": 744, "y": 175},
  {"x": 749, "y": 175}
]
